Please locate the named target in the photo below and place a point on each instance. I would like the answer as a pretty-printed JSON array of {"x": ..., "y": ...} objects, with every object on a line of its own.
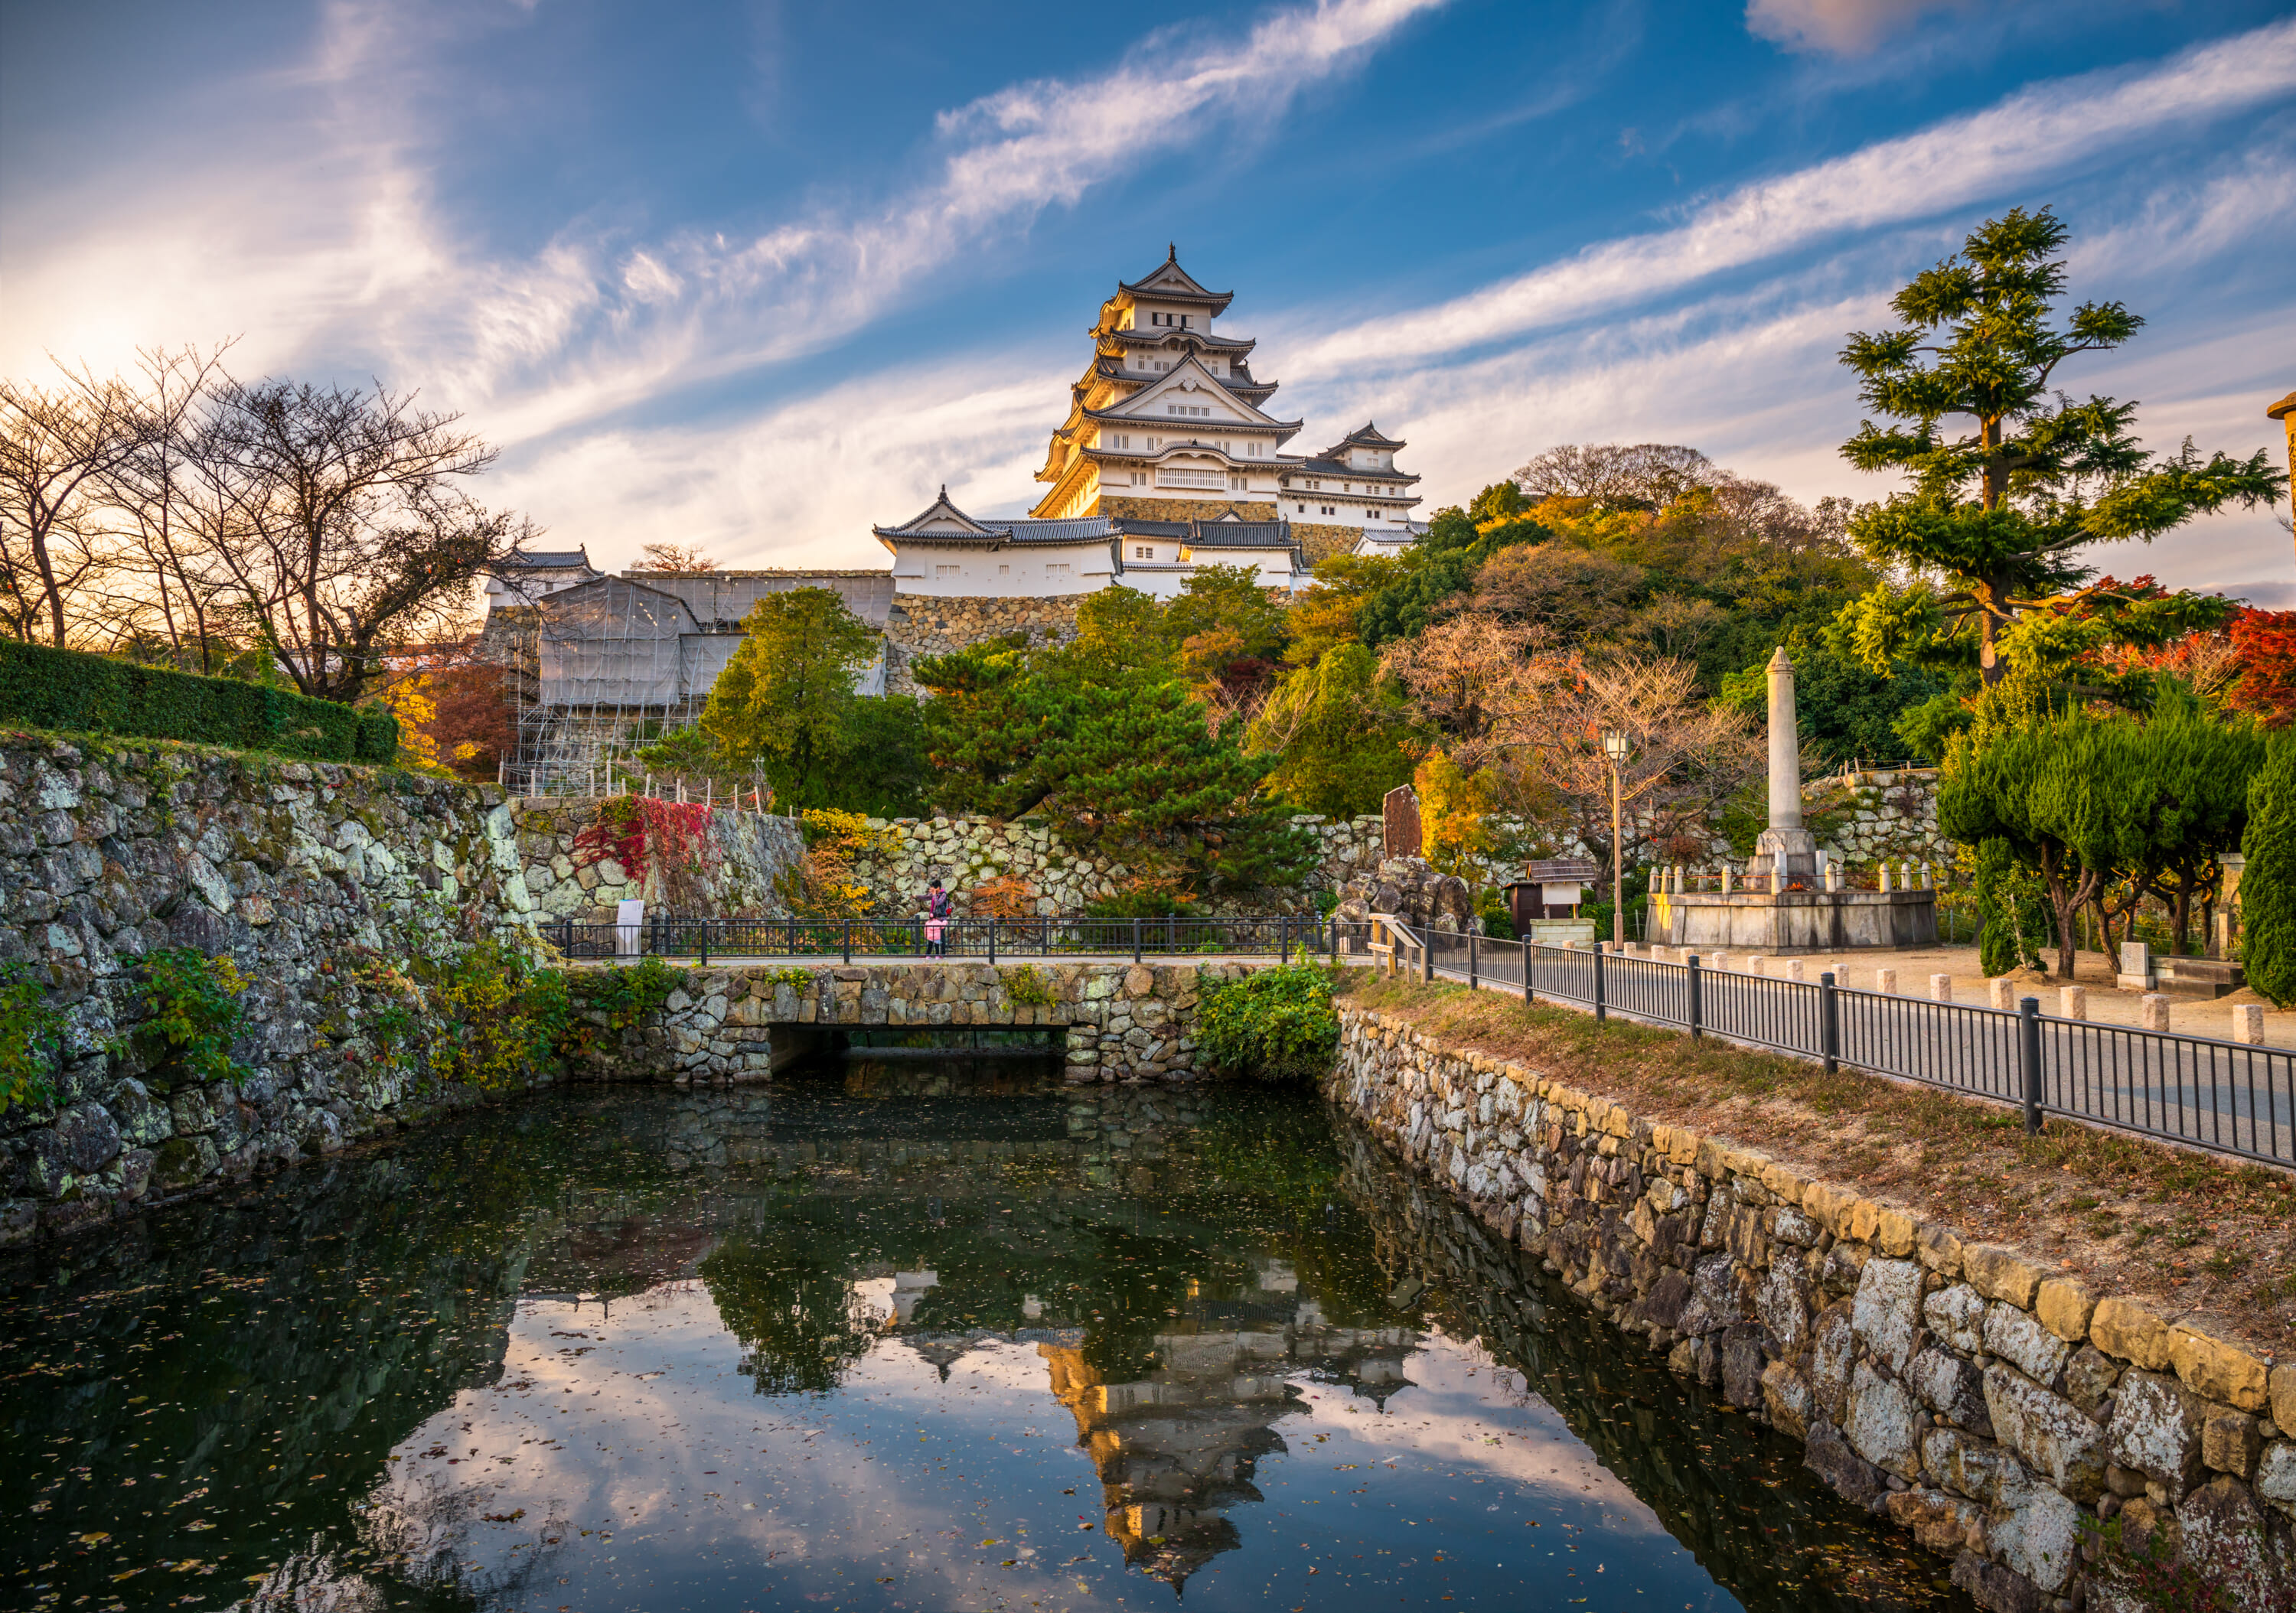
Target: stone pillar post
[
  {"x": 1785, "y": 744},
  {"x": 1785, "y": 851}
]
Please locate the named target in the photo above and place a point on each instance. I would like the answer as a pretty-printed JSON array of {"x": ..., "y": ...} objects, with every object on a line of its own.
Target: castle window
[
  {"x": 947, "y": 572},
  {"x": 1143, "y": 552},
  {"x": 1183, "y": 319},
  {"x": 1056, "y": 569}
]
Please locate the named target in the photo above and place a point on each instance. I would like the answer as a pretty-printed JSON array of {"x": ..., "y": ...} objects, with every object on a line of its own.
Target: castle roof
[
  {"x": 1238, "y": 380},
  {"x": 1322, "y": 464},
  {"x": 1163, "y": 336},
  {"x": 543, "y": 559},
  {"x": 942, "y": 524},
  {"x": 1228, "y": 530},
  {"x": 1168, "y": 282},
  {"x": 1188, "y": 376}
]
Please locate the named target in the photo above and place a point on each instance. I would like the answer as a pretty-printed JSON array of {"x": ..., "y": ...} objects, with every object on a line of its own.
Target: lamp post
[{"x": 1614, "y": 746}]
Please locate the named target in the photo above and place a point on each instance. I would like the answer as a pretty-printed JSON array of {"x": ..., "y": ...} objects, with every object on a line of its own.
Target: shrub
[
  {"x": 620, "y": 997},
  {"x": 2014, "y": 926},
  {"x": 1027, "y": 985},
  {"x": 1142, "y": 901},
  {"x": 70, "y": 690},
  {"x": 1493, "y": 913},
  {"x": 495, "y": 1018},
  {"x": 1275, "y": 1025},
  {"x": 2268, "y": 885},
  {"x": 31, "y": 1036},
  {"x": 1005, "y": 897},
  {"x": 196, "y": 1012}
]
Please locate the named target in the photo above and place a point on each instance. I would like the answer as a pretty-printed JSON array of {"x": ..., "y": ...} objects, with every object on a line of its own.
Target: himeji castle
[{"x": 1170, "y": 459}]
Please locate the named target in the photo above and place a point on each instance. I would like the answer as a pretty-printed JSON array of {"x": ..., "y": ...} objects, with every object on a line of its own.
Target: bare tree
[
  {"x": 351, "y": 532},
  {"x": 170, "y": 517},
  {"x": 1619, "y": 475},
  {"x": 672, "y": 557},
  {"x": 1684, "y": 759},
  {"x": 1538, "y": 721},
  {"x": 55, "y": 448},
  {"x": 1676, "y": 625},
  {"x": 1564, "y": 593}
]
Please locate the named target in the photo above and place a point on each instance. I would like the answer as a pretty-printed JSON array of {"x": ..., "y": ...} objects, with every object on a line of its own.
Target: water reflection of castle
[{"x": 1177, "y": 1447}]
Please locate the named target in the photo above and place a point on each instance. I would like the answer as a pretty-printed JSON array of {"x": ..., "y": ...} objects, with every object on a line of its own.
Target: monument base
[
  {"x": 1789, "y": 855},
  {"x": 1796, "y": 920}
]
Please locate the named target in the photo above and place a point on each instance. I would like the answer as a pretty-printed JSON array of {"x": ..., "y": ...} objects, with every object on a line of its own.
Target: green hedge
[{"x": 67, "y": 689}]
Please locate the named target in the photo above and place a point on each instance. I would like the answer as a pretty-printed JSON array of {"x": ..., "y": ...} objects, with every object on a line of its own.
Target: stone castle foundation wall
[
  {"x": 295, "y": 871},
  {"x": 920, "y": 624},
  {"x": 1991, "y": 1407},
  {"x": 1320, "y": 541},
  {"x": 964, "y": 853},
  {"x": 1139, "y": 508},
  {"x": 752, "y": 856}
]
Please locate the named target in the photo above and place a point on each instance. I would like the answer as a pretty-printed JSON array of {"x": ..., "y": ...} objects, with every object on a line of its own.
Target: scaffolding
[{"x": 607, "y": 666}]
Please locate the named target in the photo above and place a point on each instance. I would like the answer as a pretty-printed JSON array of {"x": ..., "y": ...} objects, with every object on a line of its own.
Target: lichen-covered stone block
[
  {"x": 2156, "y": 1429},
  {"x": 1886, "y": 1313}
]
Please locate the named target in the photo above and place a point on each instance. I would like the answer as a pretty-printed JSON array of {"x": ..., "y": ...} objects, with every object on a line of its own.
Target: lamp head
[{"x": 1614, "y": 744}]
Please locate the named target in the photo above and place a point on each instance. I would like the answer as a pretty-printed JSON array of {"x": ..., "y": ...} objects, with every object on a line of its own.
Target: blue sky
[{"x": 753, "y": 276}]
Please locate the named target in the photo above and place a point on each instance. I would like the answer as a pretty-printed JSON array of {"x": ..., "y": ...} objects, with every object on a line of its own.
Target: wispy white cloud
[
  {"x": 1747, "y": 373},
  {"x": 342, "y": 250},
  {"x": 800, "y": 484},
  {"x": 2049, "y": 130}
]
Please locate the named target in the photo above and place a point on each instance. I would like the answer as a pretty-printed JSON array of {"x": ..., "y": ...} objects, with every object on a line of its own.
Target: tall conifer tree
[{"x": 1999, "y": 508}]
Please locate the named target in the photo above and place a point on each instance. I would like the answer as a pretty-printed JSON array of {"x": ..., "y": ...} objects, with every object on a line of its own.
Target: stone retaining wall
[
  {"x": 1980, "y": 1400},
  {"x": 752, "y": 858},
  {"x": 1122, "y": 1021},
  {"x": 923, "y": 624},
  {"x": 964, "y": 853},
  {"x": 293, "y": 870},
  {"x": 1892, "y": 818}
]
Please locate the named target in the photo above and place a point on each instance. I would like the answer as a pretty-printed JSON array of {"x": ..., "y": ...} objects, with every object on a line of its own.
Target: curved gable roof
[
  {"x": 1135, "y": 408},
  {"x": 1171, "y": 282},
  {"x": 950, "y": 520},
  {"x": 1365, "y": 436}
]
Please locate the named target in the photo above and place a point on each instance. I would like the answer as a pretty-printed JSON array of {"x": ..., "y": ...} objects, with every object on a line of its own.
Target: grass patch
[{"x": 2048, "y": 1193}]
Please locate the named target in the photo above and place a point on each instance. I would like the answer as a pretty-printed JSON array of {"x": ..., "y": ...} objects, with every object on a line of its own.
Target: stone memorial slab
[{"x": 1400, "y": 833}]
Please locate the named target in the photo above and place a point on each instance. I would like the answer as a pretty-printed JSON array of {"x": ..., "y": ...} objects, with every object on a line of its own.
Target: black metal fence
[
  {"x": 700, "y": 940},
  {"x": 2228, "y": 1097}
]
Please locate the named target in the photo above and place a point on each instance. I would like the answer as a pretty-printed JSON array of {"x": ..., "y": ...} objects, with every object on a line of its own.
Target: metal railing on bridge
[
  {"x": 2227, "y": 1097},
  {"x": 726, "y": 940}
]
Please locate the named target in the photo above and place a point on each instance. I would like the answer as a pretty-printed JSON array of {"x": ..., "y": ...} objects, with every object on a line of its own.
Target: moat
[{"x": 910, "y": 1335}]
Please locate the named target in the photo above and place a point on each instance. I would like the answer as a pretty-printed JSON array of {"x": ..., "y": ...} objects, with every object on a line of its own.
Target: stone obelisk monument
[{"x": 1785, "y": 850}]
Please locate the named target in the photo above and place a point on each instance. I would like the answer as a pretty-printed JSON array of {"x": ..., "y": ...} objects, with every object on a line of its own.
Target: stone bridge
[{"x": 1111, "y": 1020}]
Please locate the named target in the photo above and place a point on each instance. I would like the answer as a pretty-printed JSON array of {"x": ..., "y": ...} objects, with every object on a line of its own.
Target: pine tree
[
  {"x": 1137, "y": 767},
  {"x": 982, "y": 726},
  {"x": 785, "y": 697},
  {"x": 2000, "y": 510}
]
